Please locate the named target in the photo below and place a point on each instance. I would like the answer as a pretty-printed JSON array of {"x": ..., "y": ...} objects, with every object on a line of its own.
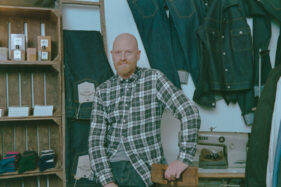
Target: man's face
[{"x": 125, "y": 55}]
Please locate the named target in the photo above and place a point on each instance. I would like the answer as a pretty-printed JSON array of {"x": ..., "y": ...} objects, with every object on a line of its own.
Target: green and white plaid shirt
[{"x": 129, "y": 111}]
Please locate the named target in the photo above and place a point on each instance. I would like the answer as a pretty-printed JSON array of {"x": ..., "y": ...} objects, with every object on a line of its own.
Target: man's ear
[{"x": 139, "y": 53}]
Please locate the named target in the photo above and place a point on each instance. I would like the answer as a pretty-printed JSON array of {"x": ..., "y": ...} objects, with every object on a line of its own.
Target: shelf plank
[
  {"x": 36, "y": 172},
  {"x": 26, "y": 64},
  {"x": 81, "y": 2},
  {"x": 17, "y": 63},
  {"x": 56, "y": 119},
  {"x": 25, "y": 11}
]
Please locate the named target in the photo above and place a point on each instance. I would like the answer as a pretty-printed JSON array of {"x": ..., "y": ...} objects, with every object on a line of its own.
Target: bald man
[{"x": 124, "y": 139}]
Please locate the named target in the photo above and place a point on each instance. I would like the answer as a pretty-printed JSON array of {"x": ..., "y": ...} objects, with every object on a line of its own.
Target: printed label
[
  {"x": 86, "y": 92},
  {"x": 44, "y": 42},
  {"x": 17, "y": 54},
  {"x": 44, "y": 56}
]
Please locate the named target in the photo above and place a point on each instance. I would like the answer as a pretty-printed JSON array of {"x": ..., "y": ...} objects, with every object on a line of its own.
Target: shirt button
[
  {"x": 222, "y": 36},
  {"x": 240, "y": 32},
  {"x": 124, "y": 120},
  {"x": 228, "y": 86},
  {"x": 223, "y": 53},
  {"x": 213, "y": 33},
  {"x": 206, "y": 4},
  {"x": 226, "y": 69}
]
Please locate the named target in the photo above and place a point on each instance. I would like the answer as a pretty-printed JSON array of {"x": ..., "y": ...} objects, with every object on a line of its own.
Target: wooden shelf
[
  {"x": 27, "y": 11},
  {"x": 36, "y": 172},
  {"x": 74, "y": 2},
  {"x": 24, "y": 64},
  {"x": 56, "y": 119}
]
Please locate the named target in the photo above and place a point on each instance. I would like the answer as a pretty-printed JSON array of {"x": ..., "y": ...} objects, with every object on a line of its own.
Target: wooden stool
[{"x": 189, "y": 177}]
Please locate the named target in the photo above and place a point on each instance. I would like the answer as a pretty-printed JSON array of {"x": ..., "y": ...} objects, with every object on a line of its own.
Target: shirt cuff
[
  {"x": 106, "y": 178},
  {"x": 183, "y": 157}
]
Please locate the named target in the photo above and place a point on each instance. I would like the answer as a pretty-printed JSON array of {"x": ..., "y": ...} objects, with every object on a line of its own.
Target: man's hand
[
  {"x": 112, "y": 184},
  {"x": 174, "y": 170}
]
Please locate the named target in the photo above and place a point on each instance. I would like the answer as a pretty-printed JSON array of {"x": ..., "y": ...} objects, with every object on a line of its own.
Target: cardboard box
[
  {"x": 44, "y": 43},
  {"x": 16, "y": 111},
  {"x": 31, "y": 54},
  {"x": 45, "y": 110},
  {"x": 4, "y": 53}
]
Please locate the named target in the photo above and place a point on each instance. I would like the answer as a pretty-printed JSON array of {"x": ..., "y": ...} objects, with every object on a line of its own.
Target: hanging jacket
[{"x": 257, "y": 155}]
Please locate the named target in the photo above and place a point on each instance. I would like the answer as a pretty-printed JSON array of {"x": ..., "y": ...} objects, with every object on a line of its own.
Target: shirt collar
[{"x": 131, "y": 79}]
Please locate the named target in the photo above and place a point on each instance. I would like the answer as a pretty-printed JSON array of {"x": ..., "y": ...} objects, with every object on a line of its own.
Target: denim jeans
[
  {"x": 125, "y": 175},
  {"x": 85, "y": 62},
  {"x": 170, "y": 43}
]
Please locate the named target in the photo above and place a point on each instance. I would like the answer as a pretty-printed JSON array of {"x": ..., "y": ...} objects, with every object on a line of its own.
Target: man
[{"x": 124, "y": 139}]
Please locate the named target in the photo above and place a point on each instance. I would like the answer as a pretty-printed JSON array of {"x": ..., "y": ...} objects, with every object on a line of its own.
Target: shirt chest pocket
[
  {"x": 114, "y": 112},
  {"x": 241, "y": 39}
]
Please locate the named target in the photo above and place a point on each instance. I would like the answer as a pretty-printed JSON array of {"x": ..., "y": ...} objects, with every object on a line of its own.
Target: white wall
[{"x": 119, "y": 20}]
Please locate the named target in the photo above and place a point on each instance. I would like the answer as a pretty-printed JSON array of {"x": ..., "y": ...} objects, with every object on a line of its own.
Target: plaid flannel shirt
[{"x": 129, "y": 111}]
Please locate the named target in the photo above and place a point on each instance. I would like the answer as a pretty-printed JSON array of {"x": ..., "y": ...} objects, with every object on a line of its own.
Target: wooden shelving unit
[{"x": 30, "y": 83}]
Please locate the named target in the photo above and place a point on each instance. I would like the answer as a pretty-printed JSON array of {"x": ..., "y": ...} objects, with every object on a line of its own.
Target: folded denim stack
[
  {"x": 15, "y": 155},
  {"x": 7, "y": 165},
  {"x": 28, "y": 161},
  {"x": 47, "y": 159}
]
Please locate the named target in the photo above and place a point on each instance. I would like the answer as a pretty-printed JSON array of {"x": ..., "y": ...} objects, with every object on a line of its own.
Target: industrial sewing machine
[{"x": 217, "y": 150}]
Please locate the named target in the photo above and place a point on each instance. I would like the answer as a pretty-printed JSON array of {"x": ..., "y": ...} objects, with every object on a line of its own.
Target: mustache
[{"x": 122, "y": 62}]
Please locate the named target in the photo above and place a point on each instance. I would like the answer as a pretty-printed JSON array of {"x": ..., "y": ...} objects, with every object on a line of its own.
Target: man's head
[{"x": 125, "y": 54}]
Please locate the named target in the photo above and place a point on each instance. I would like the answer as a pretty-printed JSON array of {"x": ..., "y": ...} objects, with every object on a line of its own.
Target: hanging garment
[
  {"x": 275, "y": 125},
  {"x": 278, "y": 51},
  {"x": 170, "y": 43},
  {"x": 273, "y": 7},
  {"x": 257, "y": 156},
  {"x": 261, "y": 38},
  {"x": 226, "y": 63},
  {"x": 276, "y": 180},
  {"x": 86, "y": 66}
]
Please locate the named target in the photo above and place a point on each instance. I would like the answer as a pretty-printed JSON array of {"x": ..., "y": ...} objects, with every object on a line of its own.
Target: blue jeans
[
  {"x": 125, "y": 175},
  {"x": 85, "y": 61},
  {"x": 170, "y": 43}
]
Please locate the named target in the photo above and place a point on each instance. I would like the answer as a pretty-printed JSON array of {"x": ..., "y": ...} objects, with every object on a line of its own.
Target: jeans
[
  {"x": 85, "y": 63},
  {"x": 125, "y": 175},
  {"x": 170, "y": 42}
]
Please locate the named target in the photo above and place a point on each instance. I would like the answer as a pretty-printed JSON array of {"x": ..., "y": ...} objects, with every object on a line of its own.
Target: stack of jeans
[
  {"x": 7, "y": 165},
  {"x": 47, "y": 159},
  {"x": 28, "y": 161}
]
